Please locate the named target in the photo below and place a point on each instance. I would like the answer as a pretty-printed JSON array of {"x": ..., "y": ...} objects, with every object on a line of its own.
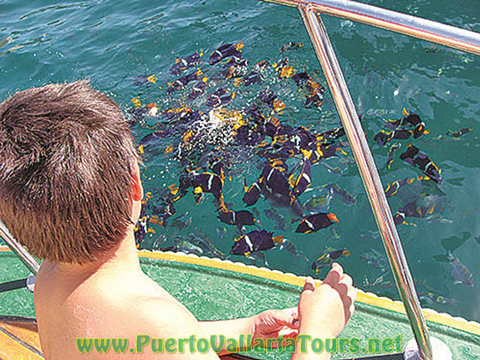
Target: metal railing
[
  {"x": 428, "y": 30},
  {"x": 30, "y": 262},
  {"x": 407, "y": 25}
]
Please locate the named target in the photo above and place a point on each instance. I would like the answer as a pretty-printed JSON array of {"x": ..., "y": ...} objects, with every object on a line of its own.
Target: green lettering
[
  {"x": 398, "y": 343},
  {"x": 203, "y": 346},
  {"x": 317, "y": 345},
  {"x": 303, "y": 342},
  {"x": 371, "y": 343},
  {"x": 387, "y": 345},
  {"x": 102, "y": 345},
  {"x": 192, "y": 341},
  {"x": 219, "y": 347},
  {"x": 331, "y": 346},
  {"x": 354, "y": 345},
  {"x": 181, "y": 342},
  {"x": 157, "y": 346},
  {"x": 119, "y": 345},
  {"x": 343, "y": 341},
  {"x": 271, "y": 342},
  {"x": 84, "y": 345},
  {"x": 142, "y": 341},
  {"x": 259, "y": 345},
  {"x": 290, "y": 345},
  {"x": 232, "y": 346},
  {"x": 170, "y": 345}
]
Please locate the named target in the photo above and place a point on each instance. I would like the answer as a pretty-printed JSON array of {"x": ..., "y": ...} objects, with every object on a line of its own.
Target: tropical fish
[
  {"x": 198, "y": 89},
  {"x": 274, "y": 215},
  {"x": 251, "y": 78},
  {"x": 342, "y": 194},
  {"x": 393, "y": 148},
  {"x": 180, "y": 83},
  {"x": 254, "y": 241},
  {"x": 415, "y": 157},
  {"x": 429, "y": 298},
  {"x": 288, "y": 245},
  {"x": 237, "y": 67},
  {"x": 221, "y": 231},
  {"x": 207, "y": 183},
  {"x": 275, "y": 182},
  {"x": 239, "y": 218},
  {"x": 460, "y": 273},
  {"x": 291, "y": 46},
  {"x": 319, "y": 203},
  {"x": 258, "y": 259},
  {"x": 205, "y": 243},
  {"x": 283, "y": 69},
  {"x": 219, "y": 98},
  {"x": 142, "y": 227},
  {"x": 419, "y": 208},
  {"x": 182, "y": 222},
  {"x": 393, "y": 188},
  {"x": 458, "y": 133},
  {"x": 375, "y": 259},
  {"x": 303, "y": 181},
  {"x": 184, "y": 247},
  {"x": 328, "y": 258},
  {"x": 182, "y": 64},
  {"x": 253, "y": 193},
  {"x": 410, "y": 119},
  {"x": 383, "y": 137},
  {"x": 225, "y": 51},
  {"x": 315, "y": 222}
]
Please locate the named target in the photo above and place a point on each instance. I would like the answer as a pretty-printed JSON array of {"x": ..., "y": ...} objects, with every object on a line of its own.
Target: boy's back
[{"x": 70, "y": 191}]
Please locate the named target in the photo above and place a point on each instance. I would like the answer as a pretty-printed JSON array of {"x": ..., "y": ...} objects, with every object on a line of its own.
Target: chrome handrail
[
  {"x": 428, "y": 30},
  {"x": 408, "y": 25},
  {"x": 30, "y": 262},
  {"x": 369, "y": 174}
]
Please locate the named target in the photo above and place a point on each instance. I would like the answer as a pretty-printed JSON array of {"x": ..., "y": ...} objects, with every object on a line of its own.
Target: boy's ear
[{"x": 137, "y": 188}]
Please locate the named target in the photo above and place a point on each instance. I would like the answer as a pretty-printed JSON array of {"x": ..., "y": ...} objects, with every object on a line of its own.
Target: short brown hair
[{"x": 66, "y": 156}]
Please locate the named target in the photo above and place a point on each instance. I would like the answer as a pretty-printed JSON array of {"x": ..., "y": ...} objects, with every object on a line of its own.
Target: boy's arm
[
  {"x": 268, "y": 324},
  {"x": 324, "y": 311}
]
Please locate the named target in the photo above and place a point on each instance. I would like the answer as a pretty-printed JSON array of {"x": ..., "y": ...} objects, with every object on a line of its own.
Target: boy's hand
[
  {"x": 275, "y": 323},
  {"x": 327, "y": 309}
]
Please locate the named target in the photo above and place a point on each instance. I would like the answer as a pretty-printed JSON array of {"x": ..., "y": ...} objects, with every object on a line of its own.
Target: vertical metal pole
[
  {"x": 30, "y": 262},
  {"x": 370, "y": 177}
]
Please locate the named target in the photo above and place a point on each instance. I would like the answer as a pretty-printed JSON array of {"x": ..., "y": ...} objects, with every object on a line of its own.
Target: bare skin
[{"x": 113, "y": 298}]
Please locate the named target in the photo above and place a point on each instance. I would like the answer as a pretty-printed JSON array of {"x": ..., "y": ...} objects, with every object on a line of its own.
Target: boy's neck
[{"x": 122, "y": 258}]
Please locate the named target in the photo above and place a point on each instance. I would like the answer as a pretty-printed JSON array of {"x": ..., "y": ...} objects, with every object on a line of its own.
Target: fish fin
[
  {"x": 177, "y": 60},
  {"x": 346, "y": 253},
  {"x": 258, "y": 222},
  {"x": 198, "y": 190},
  {"x": 168, "y": 149},
  {"x": 341, "y": 150},
  {"x": 307, "y": 154},
  {"x": 333, "y": 217},
  {"x": 405, "y": 112},
  {"x": 199, "y": 72},
  {"x": 247, "y": 254},
  {"x": 141, "y": 149},
  {"x": 278, "y": 239},
  {"x": 205, "y": 79},
  {"x": 240, "y": 45}
]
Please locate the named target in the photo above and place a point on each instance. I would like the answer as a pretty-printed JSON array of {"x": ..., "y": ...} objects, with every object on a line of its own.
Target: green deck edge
[{"x": 213, "y": 294}]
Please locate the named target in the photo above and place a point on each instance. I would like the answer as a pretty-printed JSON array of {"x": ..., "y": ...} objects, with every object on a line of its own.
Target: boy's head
[{"x": 66, "y": 163}]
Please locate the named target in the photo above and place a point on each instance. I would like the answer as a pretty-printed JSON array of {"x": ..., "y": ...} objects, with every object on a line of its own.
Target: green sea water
[{"x": 112, "y": 43}]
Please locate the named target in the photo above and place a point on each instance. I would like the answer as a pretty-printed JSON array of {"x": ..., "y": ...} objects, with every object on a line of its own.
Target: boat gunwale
[{"x": 455, "y": 322}]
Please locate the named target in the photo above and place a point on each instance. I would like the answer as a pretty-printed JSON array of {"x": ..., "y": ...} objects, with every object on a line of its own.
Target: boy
[{"x": 70, "y": 192}]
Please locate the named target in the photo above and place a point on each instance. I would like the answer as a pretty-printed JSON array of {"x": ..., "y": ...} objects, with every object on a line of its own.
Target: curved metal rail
[
  {"x": 408, "y": 25},
  {"x": 369, "y": 174},
  {"x": 30, "y": 262},
  {"x": 428, "y": 30}
]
